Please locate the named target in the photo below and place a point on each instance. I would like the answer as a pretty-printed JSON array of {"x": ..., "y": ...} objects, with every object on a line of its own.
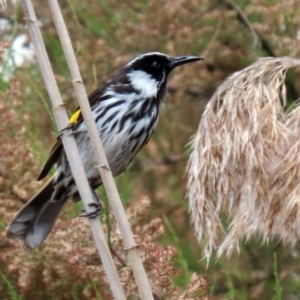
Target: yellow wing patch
[{"x": 75, "y": 116}]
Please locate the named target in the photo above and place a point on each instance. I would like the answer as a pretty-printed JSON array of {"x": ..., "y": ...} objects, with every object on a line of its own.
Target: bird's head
[{"x": 148, "y": 72}]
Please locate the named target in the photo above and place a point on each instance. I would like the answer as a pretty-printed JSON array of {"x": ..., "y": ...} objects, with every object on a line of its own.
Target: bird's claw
[{"x": 92, "y": 214}]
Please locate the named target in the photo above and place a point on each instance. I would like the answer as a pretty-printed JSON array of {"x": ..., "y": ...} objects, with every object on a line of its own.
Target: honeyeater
[{"x": 125, "y": 110}]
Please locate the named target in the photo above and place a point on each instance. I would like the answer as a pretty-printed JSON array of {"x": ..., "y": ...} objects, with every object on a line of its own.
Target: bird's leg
[{"x": 96, "y": 204}]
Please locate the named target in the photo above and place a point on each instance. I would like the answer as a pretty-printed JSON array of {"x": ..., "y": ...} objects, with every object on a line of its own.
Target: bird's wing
[
  {"x": 75, "y": 120},
  {"x": 51, "y": 160}
]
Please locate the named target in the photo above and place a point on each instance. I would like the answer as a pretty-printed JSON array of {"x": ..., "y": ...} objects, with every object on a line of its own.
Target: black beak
[{"x": 181, "y": 60}]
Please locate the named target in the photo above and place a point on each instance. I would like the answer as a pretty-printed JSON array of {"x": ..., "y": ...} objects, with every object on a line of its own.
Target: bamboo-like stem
[
  {"x": 2, "y": 4},
  {"x": 71, "y": 149},
  {"x": 103, "y": 167}
]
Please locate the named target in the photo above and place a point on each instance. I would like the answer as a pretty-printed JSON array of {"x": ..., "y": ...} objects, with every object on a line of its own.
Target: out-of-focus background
[{"x": 106, "y": 34}]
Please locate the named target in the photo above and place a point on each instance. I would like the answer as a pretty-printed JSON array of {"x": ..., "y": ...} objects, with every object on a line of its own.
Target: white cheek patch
[{"x": 144, "y": 83}]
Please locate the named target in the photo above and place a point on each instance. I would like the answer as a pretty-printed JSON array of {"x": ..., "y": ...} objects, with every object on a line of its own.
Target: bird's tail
[{"x": 34, "y": 221}]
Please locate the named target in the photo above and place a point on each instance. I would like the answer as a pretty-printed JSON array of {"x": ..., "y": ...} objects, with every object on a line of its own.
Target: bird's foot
[{"x": 92, "y": 214}]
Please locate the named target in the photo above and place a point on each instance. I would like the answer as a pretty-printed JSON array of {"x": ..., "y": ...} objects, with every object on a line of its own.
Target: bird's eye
[{"x": 156, "y": 64}]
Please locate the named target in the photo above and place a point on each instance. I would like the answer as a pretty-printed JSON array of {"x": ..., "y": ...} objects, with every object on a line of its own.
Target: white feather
[{"x": 144, "y": 83}]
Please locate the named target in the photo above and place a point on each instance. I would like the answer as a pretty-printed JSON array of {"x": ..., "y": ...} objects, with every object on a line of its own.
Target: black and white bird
[{"x": 126, "y": 111}]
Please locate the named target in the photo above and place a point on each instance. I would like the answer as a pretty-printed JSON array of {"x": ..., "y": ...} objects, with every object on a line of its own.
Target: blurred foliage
[{"x": 229, "y": 35}]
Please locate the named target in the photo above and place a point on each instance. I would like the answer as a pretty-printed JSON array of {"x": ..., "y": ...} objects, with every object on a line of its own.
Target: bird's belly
[
  {"x": 118, "y": 149},
  {"x": 121, "y": 143}
]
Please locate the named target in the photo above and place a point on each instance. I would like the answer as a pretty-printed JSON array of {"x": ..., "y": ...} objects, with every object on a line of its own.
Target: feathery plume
[{"x": 245, "y": 162}]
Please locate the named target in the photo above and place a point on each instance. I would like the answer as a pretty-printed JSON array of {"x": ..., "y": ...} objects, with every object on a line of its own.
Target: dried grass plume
[{"x": 245, "y": 162}]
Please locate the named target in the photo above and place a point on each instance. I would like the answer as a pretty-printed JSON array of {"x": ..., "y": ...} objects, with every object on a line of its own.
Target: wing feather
[
  {"x": 75, "y": 120},
  {"x": 51, "y": 160}
]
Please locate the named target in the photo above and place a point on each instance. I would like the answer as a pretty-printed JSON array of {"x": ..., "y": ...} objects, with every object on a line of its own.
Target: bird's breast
[{"x": 123, "y": 128}]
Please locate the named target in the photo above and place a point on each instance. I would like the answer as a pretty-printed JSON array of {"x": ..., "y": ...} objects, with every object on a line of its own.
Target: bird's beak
[{"x": 181, "y": 60}]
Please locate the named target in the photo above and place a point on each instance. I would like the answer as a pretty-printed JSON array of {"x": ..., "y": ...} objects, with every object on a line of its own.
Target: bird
[{"x": 125, "y": 109}]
